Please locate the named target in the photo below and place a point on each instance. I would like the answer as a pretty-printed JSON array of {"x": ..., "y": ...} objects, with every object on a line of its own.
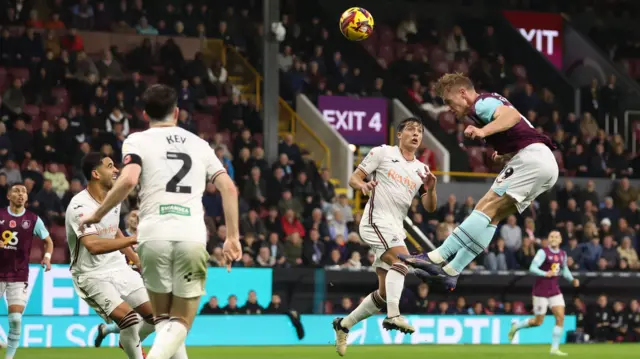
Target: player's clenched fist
[
  {"x": 473, "y": 132},
  {"x": 232, "y": 251},
  {"x": 368, "y": 187}
]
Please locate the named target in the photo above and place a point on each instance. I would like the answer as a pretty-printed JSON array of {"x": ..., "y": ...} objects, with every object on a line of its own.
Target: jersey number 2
[{"x": 173, "y": 184}]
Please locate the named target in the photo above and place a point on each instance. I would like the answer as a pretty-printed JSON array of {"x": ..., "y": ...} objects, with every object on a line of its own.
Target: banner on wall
[
  {"x": 52, "y": 293},
  {"x": 222, "y": 330},
  {"x": 543, "y": 30},
  {"x": 360, "y": 121}
]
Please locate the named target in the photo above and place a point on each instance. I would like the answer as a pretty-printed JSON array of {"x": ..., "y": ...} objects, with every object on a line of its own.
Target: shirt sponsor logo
[
  {"x": 175, "y": 209},
  {"x": 404, "y": 180}
]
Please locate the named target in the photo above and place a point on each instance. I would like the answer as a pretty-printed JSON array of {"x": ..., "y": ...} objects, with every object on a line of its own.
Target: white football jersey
[
  {"x": 83, "y": 262},
  {"x": 398, "y": 184},
  {"x": 176, "y": 165}
]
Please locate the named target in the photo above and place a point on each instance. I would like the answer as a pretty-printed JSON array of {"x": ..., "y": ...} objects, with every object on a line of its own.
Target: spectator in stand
[
  {"x": 293, "y": 249},
  {"x": 512, "y": 234},
  {"x": 13, "y": 98},
  {"x": 291, "y": 224},
  {"x": 629, "y": 254},
  {"x": 58, "y": 179},
  {"x": 72, "y": 42}
]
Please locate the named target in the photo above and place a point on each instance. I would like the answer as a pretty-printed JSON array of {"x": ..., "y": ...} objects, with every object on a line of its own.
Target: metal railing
[
  {"x": 243, "y": 76},
  {"x": 632, "y": 116},
  {"x": 289, "y": 121}
]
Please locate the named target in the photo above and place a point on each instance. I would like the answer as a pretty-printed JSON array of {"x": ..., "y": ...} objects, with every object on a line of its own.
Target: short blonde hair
[{"x": 449, "y": 81}]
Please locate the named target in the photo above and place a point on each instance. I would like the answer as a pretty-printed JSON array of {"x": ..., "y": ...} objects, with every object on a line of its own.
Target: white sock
[
  {"x": 395, "y": 284},
  {"x": 169, "y": 338},
  {"x": 435, "y": 256},
  {"x": 523, "y": 324},
  {"x": 129, "y": 337},
  {"x": 13, "y": 337},
  {"x": 556, "y": 337},
  {"x": 145, "y": 329},
  {"x": 450, "y": 271},
  {"x": 369, "y": 306},
  {"x": 181, "y": 353}
]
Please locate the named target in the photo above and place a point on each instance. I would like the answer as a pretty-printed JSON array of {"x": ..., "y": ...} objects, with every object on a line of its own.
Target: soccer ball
[{"x": 356, "y": 24}]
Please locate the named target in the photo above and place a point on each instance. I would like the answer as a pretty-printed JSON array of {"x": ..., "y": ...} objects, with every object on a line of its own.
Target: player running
[
  {"x": 18, "y": 226},
  {"x": 99, "y": 269},
  {"x": 548, "y": 264},
  {"x": 172, "y": 166},
  {"x": 396, "y": 177},
  {"x": 531, "y": 169}
]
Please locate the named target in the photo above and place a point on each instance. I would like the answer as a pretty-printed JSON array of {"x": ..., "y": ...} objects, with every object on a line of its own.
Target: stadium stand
[{"x": 68, "y": 89}]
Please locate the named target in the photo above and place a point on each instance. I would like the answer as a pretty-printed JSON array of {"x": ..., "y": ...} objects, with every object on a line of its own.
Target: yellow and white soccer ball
[{"x": 356, "y": 24}]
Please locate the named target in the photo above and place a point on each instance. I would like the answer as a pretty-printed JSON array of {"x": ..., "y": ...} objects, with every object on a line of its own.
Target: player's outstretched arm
[
  {"x": 537, "y": 262},
  {"x": 504, "y": 118},
  {"x": 96, "y": 245}
]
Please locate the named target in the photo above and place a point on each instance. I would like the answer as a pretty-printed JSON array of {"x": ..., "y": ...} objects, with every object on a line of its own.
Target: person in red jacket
[
  {"x": 291, "y": 224},
  {"x": 72, "y": 41}
]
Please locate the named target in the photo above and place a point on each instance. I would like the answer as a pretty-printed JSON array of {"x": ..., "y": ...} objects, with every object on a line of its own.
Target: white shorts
[
  {"x": 530, "y": 173},
  {"x": 16, "y": 292},
  {"x": 380, "y": 238},
  {"x": 174, "y": 267},
  {"x": 541, "y": 304},
  {"x": 105, "y": 292}
]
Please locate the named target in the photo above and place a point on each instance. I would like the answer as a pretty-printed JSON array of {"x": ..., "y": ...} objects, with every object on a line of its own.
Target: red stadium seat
[
  {"x": 385, "y": 52},
  {"x": 385, "y": 34},
  {"x": 58, "y": 235},
  {"x": 60, "y": 255},
  {"x": 400, "y": 49},
  {"x": 258, "y": 138},
  {"x": 19, "y": 73},
  {"x": 418, "y": 51},
  {"x": 149, "y": 79},
  {"x": 560, "y": 160},
  {"x": 476, "y": 156},
  {"x": 37, "y": 250},
  {"x": 447, "y": 121},
  {"x": 437, "y": 54},
  {"x": 31, "y": 110},
  {"x": 370, "y": 47},
  {"x": 51, "y": 113},
  {"x": 480, "y": 169},
  {"x": 211, "y": 101},
  {"x": 3, "y": 78}
]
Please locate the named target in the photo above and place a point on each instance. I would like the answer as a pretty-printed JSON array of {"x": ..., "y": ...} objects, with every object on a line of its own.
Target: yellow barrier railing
[
  {"x": 290, "y": 121},
  {"x": 243, "y": 75},
  {"x": 212, "y": 50}
]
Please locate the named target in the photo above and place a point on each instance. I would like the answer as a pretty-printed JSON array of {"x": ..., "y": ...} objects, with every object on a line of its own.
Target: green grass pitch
[{"x": 595, "y": 351}]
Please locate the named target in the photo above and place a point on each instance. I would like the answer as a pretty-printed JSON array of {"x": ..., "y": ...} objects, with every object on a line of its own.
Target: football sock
[
  {"x": 394, "y": 284},
  {"x": 129, "y": 337},
  {"x": 466, "y": 235},
  {"x": 13, "y": 338},
  {"x": 111, "y": 328},
  {"x": 146, "y": 327},
  {"x": 556, "y": 336},
  {"x": 169, "y": 337},
  {"x": 371, "y": 305},
  {"x": 161, "y": 321},
  {"x": 525, "y": 323},
  {"x": 472, "y": 248}
]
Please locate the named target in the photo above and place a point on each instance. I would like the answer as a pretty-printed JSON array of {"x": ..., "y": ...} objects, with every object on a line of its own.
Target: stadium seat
[
  {"x": 476, "y": 156},
  {"x": 258, "y": 138},
  {"x": 149, "y": 79},
  {"x": 480, "y": 169},
  {"x": 560, "y": 159},
  {"x": 400, "y": 49},
  {"x": 51, "y": 113},
  {"x": 37, "y": 249},
  {"x": 32, "y": 111},
  {"x": 441, "y": 67},
  {"x": 19, "y": 73},
  {"x": 58, "y": 235},
  {"x": 447, "y": 121},
  {"x": 385, "y": 34},
  {"x": 60, "y": 255},
  {"x": 419, "y": 51},
  {"x": 3, "y": 78},
  {"x": 386, "y": 53}
]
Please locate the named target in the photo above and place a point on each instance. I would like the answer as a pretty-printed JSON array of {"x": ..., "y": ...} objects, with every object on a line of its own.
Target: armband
[{"x": 132, "y": 158}]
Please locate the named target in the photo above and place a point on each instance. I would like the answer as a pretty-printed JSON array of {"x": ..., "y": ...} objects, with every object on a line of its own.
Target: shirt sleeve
[
  {"x": 131, "y": 147},
  {"x": 76, "y": 212},
  {"x": 566, "y": 272},
  {"x": 40, "y": 230},
  {"x": 537, "y": 262},
  {"x": 373, "y": 159},
  {"x": 214, "y": 166},
  {"x": 486, "y": 107}
]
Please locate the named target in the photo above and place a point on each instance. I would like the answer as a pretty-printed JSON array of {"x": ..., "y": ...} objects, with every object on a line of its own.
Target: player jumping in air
[
  {"x": 548, "y": 264},
  {"x": 396, "y": 177},
  {"x": 18, "y": 226},
  {"x": 530, "y": 170},
  {"x": 99, "y": 269},
  {"x": 172, "y": 166}
]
